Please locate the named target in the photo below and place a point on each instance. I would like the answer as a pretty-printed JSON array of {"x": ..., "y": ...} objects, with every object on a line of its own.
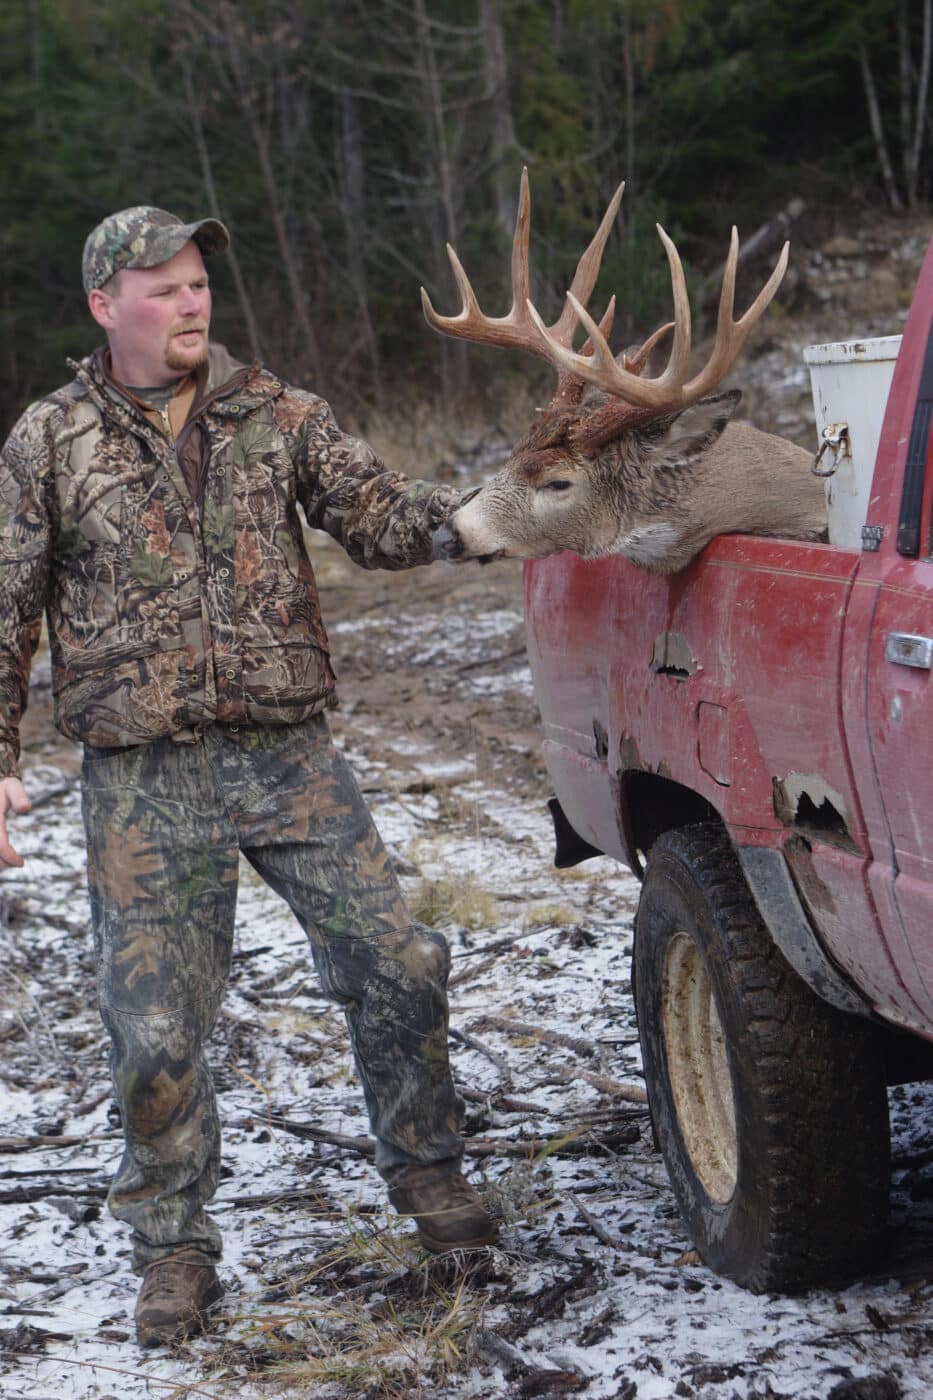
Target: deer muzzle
[{"x": 447, "y": 543}]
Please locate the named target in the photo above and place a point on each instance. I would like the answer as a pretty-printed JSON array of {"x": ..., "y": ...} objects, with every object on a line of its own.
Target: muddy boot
[
  {"x": 445, "y": 1207},
  {"x": 174, "y": 1300}
]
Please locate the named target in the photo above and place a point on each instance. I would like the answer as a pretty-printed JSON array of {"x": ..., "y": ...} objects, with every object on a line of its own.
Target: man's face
[{"x": 157, "y": 319}]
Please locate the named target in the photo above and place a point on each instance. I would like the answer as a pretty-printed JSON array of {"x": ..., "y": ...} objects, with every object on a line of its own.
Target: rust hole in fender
[
  {"x": 806, "y": 802},
  {"x": 673, "y": 657}
]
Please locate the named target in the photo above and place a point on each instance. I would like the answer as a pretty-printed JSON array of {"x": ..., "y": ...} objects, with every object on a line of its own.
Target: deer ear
[{"x": 691, "y": 432}]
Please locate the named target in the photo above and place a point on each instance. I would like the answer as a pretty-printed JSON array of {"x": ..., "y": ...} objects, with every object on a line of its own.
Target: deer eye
[{"x": 557, "y": 485}]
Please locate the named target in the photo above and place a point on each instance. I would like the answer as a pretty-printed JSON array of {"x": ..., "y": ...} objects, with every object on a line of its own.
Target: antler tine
[
  {"x": 521, "y": 278},
  {"x": 673, "y": 375},
  {"x": 636, "y": 363},
  {"x": 574, "y": 361},
  {"x": 517, "y": 328},
  {"x": 603, "y": 370},
  {"x": 668, "y": 392},
  {"x": 471, "y": 323},
  {"x": 570, "y": 387},
  {"x": 731, "y": 335},
  {"x": 584, "y": 279}
]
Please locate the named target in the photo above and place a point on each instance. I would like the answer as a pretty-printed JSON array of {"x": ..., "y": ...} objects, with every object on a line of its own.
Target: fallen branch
[
  {"x": 632, "y": 1093},
  {"x": 187, "y": 1388},
  {"x": 466, "y": 973},
  {"x": 498, "y": 1349},
  {"x": 44, "y": 1140},
  {"x": 501, "y": 1101},
  {"x": 9, "y": 1175},
  {"x": 295, "y": 1195},
  {"x": 487, "y": 661},
  {"x": 498, "y": 1060},
  {"x": 578, "y": 1142},
  {"x": 601, "y": 1234},
  {"x": 58, "y": 1290},
  {"x": 89, "y": 1105},
  {"x": 775, "y": 230},
  {"x": 589, "y": 1048},
  {"x": 22, "y": 1195},
  {"x": 497, "y": 947}
]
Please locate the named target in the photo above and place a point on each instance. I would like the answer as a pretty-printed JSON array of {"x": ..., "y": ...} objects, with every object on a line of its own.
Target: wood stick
[
  {"x": 633, "y": 1093},
  {"x": 577, "y": 1142},
  {"x": 500, "y": 1100},
  {"x": 89, "y": 1105},
  {"x": 22, "y": 1195},
  {"x": 601, "y": 1234},
  {"x": 46, "y": 1140},
  {"x": 466, "y": 973},
  {"x": 498, "y": 1060},
  {"x": 588, "y": 1048}
]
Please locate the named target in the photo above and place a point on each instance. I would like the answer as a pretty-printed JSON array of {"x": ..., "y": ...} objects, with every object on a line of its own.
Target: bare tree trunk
[
  {"x": 877, "y": 130},
  {"x": 503, "y": 125},
  {"x": 453, "y": 358},
  {"x": 923, "y": 90},
  {"x": 905, "y": 83},
  {"x": 207, "y": 172},
  {"x": 353, "y": 207},
  {"x": 231, "y": 36},
  {"x": 628, "y": 58}
]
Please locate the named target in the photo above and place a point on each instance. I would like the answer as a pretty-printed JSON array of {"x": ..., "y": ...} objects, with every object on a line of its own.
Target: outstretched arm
[
  {"x": 384, "y": 520},
  {"x": 12, "y": 797}
]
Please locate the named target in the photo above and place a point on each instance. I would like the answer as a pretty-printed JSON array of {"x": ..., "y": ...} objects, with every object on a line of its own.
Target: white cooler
[{"x": 850, "y": 380}]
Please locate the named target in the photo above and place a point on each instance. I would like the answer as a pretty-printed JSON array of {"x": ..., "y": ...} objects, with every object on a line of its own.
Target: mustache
[{"x": 183, "y": 327}]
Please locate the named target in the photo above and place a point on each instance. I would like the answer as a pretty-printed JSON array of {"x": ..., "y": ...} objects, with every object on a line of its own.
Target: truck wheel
[{"x": 769, "y": 1106}]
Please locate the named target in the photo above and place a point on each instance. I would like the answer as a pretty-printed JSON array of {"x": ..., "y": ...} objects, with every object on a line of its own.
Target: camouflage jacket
[{"x": 163, "y": 618}]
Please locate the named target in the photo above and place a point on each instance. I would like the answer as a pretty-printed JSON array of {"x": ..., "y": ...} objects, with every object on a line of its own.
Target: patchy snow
[{"x": 594, "y": 1288}]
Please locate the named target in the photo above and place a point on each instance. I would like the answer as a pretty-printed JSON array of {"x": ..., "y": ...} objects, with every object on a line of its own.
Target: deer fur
[{"x": 657, "y": 494}]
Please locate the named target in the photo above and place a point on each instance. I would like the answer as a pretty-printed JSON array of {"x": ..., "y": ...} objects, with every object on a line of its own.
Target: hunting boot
[
  {"x": 174, "y": 1300},
  {"x": 445, "y": 1207}
]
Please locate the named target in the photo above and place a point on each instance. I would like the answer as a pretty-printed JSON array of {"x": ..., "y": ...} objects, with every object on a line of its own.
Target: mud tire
[{"x": 779, "y": 1155}]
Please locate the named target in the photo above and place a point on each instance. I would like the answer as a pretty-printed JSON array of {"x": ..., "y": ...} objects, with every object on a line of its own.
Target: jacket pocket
[
  {"x": 127, "y": 698},
  {"x": 280, "y": 681}
]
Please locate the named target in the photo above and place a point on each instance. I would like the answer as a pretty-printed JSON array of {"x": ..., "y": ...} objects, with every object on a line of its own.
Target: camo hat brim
[{"x": 144, "y": 237}]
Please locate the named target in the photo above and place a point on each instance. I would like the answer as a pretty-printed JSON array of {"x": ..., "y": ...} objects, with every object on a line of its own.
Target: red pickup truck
[{"x": 754, "y": 737}]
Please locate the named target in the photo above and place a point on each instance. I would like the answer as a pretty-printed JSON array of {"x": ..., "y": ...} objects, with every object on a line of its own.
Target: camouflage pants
[{"x": 165, "y": 823}]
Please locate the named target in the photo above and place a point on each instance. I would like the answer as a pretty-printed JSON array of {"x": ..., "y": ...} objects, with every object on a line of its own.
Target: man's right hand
[{"x": 12, "y": 796}]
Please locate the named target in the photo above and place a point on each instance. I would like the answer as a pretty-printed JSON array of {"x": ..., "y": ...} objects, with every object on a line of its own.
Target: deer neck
[{"x": 748, "y": 481}]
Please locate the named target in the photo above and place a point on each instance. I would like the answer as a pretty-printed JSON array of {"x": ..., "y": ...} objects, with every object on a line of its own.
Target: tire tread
[{"x": 814, "y": 1084}]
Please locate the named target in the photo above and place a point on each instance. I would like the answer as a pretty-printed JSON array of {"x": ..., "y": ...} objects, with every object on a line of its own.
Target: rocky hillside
[{"x": 845, "y": 286}]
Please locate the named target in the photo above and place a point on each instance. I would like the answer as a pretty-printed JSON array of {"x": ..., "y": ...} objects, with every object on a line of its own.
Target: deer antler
[
  {"x": 521, "y": 327},
  {"x": 671, "y": 390}
]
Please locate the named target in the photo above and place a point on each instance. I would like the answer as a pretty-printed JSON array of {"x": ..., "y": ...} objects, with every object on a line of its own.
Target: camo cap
[{"x": 144, "y": 237}]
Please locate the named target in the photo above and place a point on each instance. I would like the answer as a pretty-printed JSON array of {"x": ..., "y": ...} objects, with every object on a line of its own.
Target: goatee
[{"x": 187, "y": 360}]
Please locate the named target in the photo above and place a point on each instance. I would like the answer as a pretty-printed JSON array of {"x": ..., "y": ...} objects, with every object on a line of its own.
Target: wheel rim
[{"x": 698, "y": 1069}]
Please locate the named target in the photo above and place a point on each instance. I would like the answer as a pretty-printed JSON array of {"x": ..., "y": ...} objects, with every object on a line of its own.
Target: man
[{"x": 151, "y": 507}]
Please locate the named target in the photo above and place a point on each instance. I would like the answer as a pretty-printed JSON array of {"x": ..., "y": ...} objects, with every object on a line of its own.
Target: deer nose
[{"x": 446, "y": 542}]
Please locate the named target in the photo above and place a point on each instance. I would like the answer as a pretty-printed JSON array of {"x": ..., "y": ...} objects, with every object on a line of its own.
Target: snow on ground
[{"x": 594, "y": 1288}]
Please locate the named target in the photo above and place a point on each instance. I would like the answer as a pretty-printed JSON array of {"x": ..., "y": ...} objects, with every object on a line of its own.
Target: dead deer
[{"x": 650, "y": 468}]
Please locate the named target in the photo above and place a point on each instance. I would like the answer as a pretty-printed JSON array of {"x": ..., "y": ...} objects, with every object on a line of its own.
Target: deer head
[{"x": 618, "y": 462}]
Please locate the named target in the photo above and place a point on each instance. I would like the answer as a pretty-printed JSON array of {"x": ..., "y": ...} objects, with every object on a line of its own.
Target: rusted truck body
[{"x": 764, "y": 719}]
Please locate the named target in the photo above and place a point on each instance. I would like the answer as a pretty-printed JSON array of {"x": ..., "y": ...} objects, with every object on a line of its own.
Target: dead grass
[
  {"x": 428, "y": 438},
  {"x": 368, "y": 1318},
  {"x": 452, "y": 901},
  {"x": 550, "y": 916}
]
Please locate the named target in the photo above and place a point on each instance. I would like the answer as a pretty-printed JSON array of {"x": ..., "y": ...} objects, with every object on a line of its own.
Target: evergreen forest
[{"x": 345, "y": 142}]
